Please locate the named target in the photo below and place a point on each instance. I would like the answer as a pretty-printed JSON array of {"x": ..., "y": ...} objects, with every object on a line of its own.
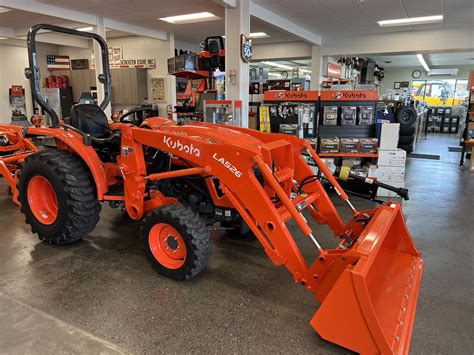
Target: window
[{"x": 440, "y": 92}]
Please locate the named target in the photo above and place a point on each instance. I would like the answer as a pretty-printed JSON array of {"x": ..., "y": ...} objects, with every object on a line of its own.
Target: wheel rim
[
  {"x": 42, "y": 200},
  {"x": 167, "y": 246}
]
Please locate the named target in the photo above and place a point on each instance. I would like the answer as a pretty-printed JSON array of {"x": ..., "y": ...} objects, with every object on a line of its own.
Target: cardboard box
[
  {"x": 390, "y": 173},
  {"x": 387, "y": 193},
  {"x": 349, "y": 145},
  {"x": 329, "y": 145},
  {"x": 396, "y": 157},
  {"x": 389, "y": 136},
  {"x": 368, "y": 145}
]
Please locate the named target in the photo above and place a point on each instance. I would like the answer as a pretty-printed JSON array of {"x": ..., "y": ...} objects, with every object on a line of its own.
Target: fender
[{"x": 72, "y": 142}]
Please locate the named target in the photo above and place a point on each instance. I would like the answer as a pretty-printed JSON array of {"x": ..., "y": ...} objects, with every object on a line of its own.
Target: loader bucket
[{"x": 371, "y": 307}]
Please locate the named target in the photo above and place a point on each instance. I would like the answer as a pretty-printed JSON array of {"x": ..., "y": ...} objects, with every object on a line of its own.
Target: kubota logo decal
[
  {"x": 188, "y": 149},
  {"x": 280, "y": 95},
  {"x": 349, "y": 95},
  {"x": 228, "y": 165}
]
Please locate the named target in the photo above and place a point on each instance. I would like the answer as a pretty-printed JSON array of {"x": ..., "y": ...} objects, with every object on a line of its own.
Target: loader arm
[{"x": 369, "y": 283}]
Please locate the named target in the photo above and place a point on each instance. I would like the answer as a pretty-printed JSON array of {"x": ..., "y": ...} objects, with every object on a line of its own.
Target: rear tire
[
  {"x": 406, "y": 140},
  {"x": 407, "y": 148},
  {"x": 407, "y": 130},
  {"x": 71, "y": 210},
  {"x": 176, "y": 241},
  {"x": 406, "y": 115}
]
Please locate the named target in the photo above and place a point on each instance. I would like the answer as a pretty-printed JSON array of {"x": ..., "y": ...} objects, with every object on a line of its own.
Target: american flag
[{"x": 58, "y": 62}]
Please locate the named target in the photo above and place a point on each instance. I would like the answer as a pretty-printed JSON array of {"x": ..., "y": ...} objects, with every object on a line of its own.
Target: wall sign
[
  {"x": 282, "y": 95},
  {"x": 158, "y": 89},
  {"x": 349, "y": 95},
  {"x": 245, "y": 48},
  {"x": 58, "y": 62},
  {"x": 334, "y": 70}
]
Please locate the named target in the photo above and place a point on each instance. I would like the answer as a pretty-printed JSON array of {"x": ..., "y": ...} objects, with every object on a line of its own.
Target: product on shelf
[
  {"x": 368, "y": 145},
  {"x": 349, "y": 145},
  {"x": 289, "y": 129},
  {"x": 330, "y": 115},
  {"x": 329, "y": 145},
  {"x": 366, "y": 115},
  {"x": 348, "y": 115}
]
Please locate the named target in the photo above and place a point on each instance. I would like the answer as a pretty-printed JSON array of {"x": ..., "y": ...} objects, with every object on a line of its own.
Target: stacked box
[
  {"x": 349, "y": 145},
  {"x": 329, "y": 145},
  {"x": 391, "y": 170},
  {"x": 368, "y": 145}
]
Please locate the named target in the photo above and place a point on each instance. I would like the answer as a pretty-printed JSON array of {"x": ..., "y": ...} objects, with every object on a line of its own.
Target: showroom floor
[{"x": 100, "y": 295}]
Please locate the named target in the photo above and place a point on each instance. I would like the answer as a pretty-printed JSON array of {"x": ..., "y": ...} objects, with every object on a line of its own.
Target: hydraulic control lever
[{"x": 344, "y": 172}]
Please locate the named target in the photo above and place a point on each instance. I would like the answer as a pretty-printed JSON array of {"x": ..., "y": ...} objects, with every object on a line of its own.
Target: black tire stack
[{"x": 406, "y": 116}]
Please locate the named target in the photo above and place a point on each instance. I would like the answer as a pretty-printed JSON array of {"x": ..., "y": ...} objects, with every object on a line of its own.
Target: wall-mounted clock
[{"x": 416, "y": 74}]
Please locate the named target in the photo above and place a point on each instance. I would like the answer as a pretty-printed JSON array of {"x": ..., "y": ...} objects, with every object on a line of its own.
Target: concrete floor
[{"x": 101, "y": 296}]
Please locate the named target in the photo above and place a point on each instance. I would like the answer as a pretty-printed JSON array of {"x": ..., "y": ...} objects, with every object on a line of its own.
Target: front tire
[
  {"x": 176, "y": 241},
  {"x": 58, "y": 197}
]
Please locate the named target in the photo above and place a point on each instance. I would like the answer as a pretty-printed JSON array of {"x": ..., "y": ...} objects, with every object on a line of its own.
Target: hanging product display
[
  {"x": 330, "y": 115},
  {"x": 348, "y": 115}
]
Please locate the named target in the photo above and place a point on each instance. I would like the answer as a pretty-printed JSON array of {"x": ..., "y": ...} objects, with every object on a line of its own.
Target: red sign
[
  {"x": 17, "y": 90},
  {"x": 349, "y": 95},
  {"x": 282, "y": 95},
  {"x": 334, "y": 70}
]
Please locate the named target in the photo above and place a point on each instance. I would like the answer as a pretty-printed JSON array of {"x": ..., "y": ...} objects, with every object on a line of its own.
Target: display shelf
[
  {"x": 349, "y": 155},
  {"x": 191, "y": 74}
]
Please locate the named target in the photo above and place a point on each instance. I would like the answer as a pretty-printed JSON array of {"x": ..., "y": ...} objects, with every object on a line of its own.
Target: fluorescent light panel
[
  {"x": 85, "y": 29},
  {"x": 411, "y": 21},
  {"x": 423, "y": 62},
  {"x": 4, "y": 9},
  {"x": 256, "y": 35},
  {"x": 277, "y": 65},
  {"x": 3, "y": 38},
  {"x": 190, "y": 18}
]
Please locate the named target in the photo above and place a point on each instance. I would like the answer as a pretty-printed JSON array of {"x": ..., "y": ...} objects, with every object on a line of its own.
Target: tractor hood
[{"x": 215, "y": 134}]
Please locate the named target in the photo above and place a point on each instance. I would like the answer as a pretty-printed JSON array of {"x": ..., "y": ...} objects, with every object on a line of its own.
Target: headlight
[{"x": 4, "y": 140}]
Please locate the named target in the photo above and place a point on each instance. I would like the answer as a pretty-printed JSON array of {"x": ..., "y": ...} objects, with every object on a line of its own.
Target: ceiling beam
[
  {"x": 7, "y": 32},
  {"x": 77, "y": 16},
  {"x": 227, "y": 3},
  {"x": 282, "y": 23}
]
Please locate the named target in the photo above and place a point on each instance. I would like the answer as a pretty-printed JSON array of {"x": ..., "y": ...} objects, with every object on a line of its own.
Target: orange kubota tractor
[{"x": 179, "y": 179}]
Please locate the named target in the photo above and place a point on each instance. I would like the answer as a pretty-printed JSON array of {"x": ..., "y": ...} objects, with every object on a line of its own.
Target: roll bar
[{"x": 33, "y": 74}]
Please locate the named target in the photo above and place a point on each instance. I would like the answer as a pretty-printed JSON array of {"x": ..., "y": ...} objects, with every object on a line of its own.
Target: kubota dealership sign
[
  {"x": 282, "y": 95},
  {"x": 349, "y": 95}
]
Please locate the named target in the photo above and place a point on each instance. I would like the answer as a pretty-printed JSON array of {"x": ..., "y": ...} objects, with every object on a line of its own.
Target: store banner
[
  {"x": 349, "y": 95},
  {"x": 282, "y": 95}
]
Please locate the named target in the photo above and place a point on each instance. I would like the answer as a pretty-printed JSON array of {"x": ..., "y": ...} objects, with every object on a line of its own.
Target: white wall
[
  {"x": 13, "y": 61},
  {"x": 193, "y": 47},
  {"x": 76, "y": 53},
  {"x": 285, "y": 50},
  {"x": 144, "y": 47},
  {"x": 404, "y": 74}
]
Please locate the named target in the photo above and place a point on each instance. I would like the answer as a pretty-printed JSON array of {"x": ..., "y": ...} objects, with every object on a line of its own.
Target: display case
[
  {"x": 227, "y": 112},
  {"x": 296, "y": 108}
]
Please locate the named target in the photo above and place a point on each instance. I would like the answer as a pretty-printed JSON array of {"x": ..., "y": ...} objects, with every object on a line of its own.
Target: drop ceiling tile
[
  {"x": 384, "y": 10},
  {"x": 417, "y": 8}
]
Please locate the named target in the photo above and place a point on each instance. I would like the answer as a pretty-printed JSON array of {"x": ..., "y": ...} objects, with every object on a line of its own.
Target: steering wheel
[{"x": 136, "y": 119}]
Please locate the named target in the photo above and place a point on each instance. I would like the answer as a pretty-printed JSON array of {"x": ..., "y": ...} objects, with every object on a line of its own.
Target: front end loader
[{"x": 182, "y": 180}]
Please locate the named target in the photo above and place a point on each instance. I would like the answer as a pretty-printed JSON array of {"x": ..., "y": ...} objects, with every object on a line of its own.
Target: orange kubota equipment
[{"x": 367, "y": 286}]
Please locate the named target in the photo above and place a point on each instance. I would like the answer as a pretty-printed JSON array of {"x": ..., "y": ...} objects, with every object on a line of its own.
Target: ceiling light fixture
[
  {"x": 423, "y": 62},
  {"x": 258, "y": 35},
  {"x": 85, "y": 29},
  {"x": 3, "y": 38},
  {"x": 411, "y": 21},
  {"x": 190, "y": 18},
  {"x": 4, "y": 9},
  {"x": 281, "y": 66}
]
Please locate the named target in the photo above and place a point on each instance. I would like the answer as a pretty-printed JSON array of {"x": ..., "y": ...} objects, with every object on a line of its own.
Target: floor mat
[
  {"x": 423, "y": 156},
  {"x": 455, "y": 149}
]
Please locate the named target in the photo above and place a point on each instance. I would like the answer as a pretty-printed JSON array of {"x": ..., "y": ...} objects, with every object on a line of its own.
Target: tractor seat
[{"x": 90, "y": 119}]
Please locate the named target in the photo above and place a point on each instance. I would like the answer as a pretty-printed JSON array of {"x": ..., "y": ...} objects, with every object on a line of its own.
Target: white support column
[
  {"x": 237, "y": 22},
  {"x": 100, "y": 30},
  {"x": 316, "y": 62},
  {"x": 171, "y": 78}
]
